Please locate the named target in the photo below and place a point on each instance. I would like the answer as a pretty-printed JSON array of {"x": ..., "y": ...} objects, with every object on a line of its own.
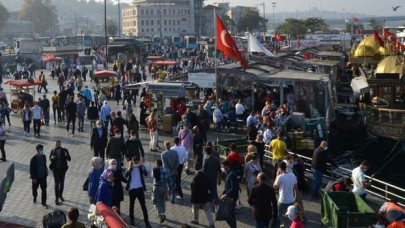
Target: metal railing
[
  {"x": 378, "y": 187},
  {"x": 386, "y": 115}
]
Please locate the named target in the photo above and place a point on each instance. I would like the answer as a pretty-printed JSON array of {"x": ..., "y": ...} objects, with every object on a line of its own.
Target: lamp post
[
  {"x": 75, "y": 21},
  {"x": 105, "y": 33},
  {"x": 264, "y": 17},
  {"x": 160, "y": 19},
  {"x": 119, "y": 19},
  {"x": 273, "y": 4}
]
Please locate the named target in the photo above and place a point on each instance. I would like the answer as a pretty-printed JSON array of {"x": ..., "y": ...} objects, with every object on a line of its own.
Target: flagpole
[
  {"x": 248, "y": 43},
  {"x": 215, "y": 57}
]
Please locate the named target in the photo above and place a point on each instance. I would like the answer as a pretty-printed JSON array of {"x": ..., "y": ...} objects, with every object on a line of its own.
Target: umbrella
[
  {"x": 166, "y": 63},
  {"x": 154, "y": 58},
  {"x": 105, "y": 73},
  {"x": 23, "y": 83}
]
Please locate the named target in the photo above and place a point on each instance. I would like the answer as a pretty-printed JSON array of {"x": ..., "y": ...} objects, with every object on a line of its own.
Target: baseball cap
[{"x": 291, "y": 210}]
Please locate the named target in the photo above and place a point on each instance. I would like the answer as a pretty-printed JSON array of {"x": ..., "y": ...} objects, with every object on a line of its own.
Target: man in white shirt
[
  {"x": 359, "y": 180},
  {"x": 286, "y": 183},
  {"x": 182, "y": 154},
  {"x": 217, "y": 117},
  {"x": 239, "y": 108},
  {"x": 36, "y": 116}
]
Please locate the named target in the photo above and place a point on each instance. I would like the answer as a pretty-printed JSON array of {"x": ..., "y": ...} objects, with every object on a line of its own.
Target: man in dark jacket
[
  {"x": 38, "y": 173},
  {"x": 200, "y": 196},
  {"x": 71, "y": 110},
  {"x": 59, "y": 158},
  {"x": 62, "y": 101},
  {"x": 320, "y": 158},
  {"x": 264, "y": 202},
  {"x": 198, "y": 144},
  {"x": 119, "y": 122},
  {"x": 45, "y": 105},
  {"x": 231, "y": 191},
  {"x": 115, "y": 148},
  {"x": 98, "y": 140},
  {"x": 133, "y": 147},
  {"x": 92, "y": 116}
]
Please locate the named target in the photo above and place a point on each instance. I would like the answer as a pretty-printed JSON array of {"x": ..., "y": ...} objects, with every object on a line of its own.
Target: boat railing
[
  {"x": 378, "y": 188},
  {"x": 386, "y": 115}
]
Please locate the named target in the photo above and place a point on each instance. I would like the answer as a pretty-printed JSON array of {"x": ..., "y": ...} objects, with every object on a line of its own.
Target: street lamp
[
  {"x": 264, "y": 17},
  {"x": 75, "y": 21},
  {"x": 273, "y": 4},
  {"x": 119, "y": 19}
]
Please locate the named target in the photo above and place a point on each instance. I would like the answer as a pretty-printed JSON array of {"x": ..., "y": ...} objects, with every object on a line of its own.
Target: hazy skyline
[{"x": 370, "y": 7}]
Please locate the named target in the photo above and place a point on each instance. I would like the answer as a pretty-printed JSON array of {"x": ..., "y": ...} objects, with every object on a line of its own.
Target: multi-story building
[
  {"x": 237, "y": 12},
  {"x": 159, "y": 17}
]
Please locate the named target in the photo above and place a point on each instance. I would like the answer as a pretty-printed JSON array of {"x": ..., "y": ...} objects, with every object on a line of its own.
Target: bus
[
  {"x": 156, "y": 41},
  {"x": 191, "y": 42},
  {"x": 177, "y": 41}
]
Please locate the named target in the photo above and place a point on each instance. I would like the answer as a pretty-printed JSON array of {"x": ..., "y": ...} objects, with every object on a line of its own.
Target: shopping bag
[{"x": 223, "y": 210}]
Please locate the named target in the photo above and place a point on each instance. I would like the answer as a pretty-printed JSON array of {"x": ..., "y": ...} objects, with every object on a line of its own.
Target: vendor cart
[
  {"x": 21, "y": 92},
  {"x": 161, "y": 74},
  {"x": 105, "y": 80}
]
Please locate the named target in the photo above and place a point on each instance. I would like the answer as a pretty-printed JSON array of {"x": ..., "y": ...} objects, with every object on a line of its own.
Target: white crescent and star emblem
[{"x": 223, "y": 33}]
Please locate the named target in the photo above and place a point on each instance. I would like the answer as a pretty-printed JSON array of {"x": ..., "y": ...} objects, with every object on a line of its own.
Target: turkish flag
[
  {"x": 378, "y": 39},
  {"x": 389, "y": 36},
  {"x": 355, "y": 19},
  {"x": 278, "y": 38},
  {"x": 227, "y": 45}
]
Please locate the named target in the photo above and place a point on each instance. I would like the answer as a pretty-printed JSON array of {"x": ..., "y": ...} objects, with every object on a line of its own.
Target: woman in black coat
[
  {"x": 142, "y": 115},
  {"x": 118, "y": 195}
]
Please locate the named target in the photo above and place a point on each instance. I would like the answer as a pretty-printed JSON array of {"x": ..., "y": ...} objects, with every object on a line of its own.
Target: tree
[
  {"x": 229, "y": 23},
  {"x": 42, "y": 14},
  {"x": 252, "y": 21},
  {"x": 112, "y": 27},
  {"x": 374, "y": 24},
  {"x": 3, "y": 15},
  {"x": 300, "y": 27}
]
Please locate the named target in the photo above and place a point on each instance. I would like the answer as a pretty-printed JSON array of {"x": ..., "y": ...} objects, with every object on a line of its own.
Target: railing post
[
  {"x": 391, "y": 116},
  {"x": 386, "y": 191},
  {"x": 403, "y": 118},
  {"x": 380, "y": 116}
]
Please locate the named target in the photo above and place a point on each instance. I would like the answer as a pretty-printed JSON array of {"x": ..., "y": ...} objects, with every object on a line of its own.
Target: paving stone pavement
[{"x": 20, "y": 209}]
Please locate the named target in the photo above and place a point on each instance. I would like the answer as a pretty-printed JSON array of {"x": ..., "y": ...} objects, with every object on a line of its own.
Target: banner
[{"x": 304, "y": 43}]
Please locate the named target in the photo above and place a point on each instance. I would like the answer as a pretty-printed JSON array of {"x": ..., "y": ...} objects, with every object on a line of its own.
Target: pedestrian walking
[
  {"x": 118, "y": 195},
  {"x": 59, "y": 165},
  {"x": 170, "y": 160},
  {"x": 198, "y": 144},
  {"x": 279, "y": 149},
  {"x": 27, "y": 118},
  {"x": 105, "y": 113},
  {"x": 87, "y": 95},
  {"x": 97, "y": 168},
  {"x": 286, "y": 184},
  {"x": 81, "y": 112},
  {"x": 182, "y": 155},
  {"x": 37, "y": 115},
  {"x": 3, "y": 136},
  {"x": 187, "y": 140},
  {"x": 133, "y": 125},
  {"x": 105, "y": 190},
  {"x": 153, "y": 132},
  {"x": 92, "y": 116},
  {"x": 251, "y": 170},
  {"x": 116, "y": 148},
  {"x": 359, "y": 180},
  {"x": 201, "y": 197},
  {"x": 55, "y": 107},
  {"x": 136, "y": 187},
  {"x": 133, "y": 147},
  {"x": 71, "y": 111},
  {"x": 61, "y": 82},
  {"x": 231, "y": 191},
  {"x": 160, "y": 177},
  {"x": 264, "y": 203},
  {"x": 39, "y": 173},
  {"x": 98, "y": 140},
  {"x": 212, "y": 167},
  {"x": 45, "y": 105}
]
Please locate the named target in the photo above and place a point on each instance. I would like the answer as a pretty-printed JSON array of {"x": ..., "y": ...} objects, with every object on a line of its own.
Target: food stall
[
  {"x": 152, "y": 59},
  {"x": 22, "y": 91},
  {"x": 162, "y": 73},
  {"x": 104, "y": 81}
]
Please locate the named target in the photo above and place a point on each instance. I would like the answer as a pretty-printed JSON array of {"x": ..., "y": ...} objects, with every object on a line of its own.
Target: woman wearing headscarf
[
  {"x": 94, "y": 177},
  {"x": 118, "y": 178},
  {"x": 142, "y": 115},
  {"x": 105, "y": 191},
  {"x": 252, "y": 169}
]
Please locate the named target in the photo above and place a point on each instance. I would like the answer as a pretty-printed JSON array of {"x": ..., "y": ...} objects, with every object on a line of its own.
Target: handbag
[
  {"x": 86, "y": 185},
  {"x": 223, "y": 210}
]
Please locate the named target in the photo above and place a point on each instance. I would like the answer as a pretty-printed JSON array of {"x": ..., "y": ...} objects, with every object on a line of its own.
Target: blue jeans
[
  {"x": 262, "y": 224},
  {"x": 363, "y": 196},
  {"x": 106, "y": 124},
  {"x": 231, "y": 220},
  {"x": 316, "y": 182},
  {"x": 282, "y": 209}
]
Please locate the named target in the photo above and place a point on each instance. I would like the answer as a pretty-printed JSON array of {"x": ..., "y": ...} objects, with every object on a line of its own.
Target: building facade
[
  {"x": 159, "y": 18},
  {"x": 238, "y": 12}
]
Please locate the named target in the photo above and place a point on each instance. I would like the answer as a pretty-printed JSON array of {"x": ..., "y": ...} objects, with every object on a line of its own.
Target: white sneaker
[
  {"x": 28, "y": 134},
  {"x": 25, "y": 133},
  {"x": 179, "y": 197}
]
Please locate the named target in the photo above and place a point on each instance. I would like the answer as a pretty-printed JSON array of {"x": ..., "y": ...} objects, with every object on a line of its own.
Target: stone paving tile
[{"x": 19, "y": 207}]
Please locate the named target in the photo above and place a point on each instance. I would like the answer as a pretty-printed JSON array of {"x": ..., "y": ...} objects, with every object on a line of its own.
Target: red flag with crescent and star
[{"x": 227, "y": 45}]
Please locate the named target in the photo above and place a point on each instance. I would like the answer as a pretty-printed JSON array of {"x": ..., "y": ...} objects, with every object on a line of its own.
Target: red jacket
[{"x": 234, "y": 157}]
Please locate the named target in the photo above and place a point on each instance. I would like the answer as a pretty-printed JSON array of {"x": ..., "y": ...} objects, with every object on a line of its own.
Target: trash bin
[
  {"x": 223, "y": 146},
  {"x": 344, "y": 210}
]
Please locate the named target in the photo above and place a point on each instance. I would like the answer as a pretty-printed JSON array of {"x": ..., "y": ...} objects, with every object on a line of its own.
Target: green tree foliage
[
  {"x": 300, "y": 27},
  {"x": 42, "y": 14},
  {"x": 3, "y": 15},
  {"x": 112, "y": 27},
  {"x": 374, "y": 24},
  {"x": 251, "y": 20}
]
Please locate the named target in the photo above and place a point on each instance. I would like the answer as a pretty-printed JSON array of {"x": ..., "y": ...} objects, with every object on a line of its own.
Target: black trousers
[
  {"x": 73, "y": 121},
  {"x": 99, "y": 152},
  {"x": 27, "y": 126},
  {"x": 3, "y": 152},
  {"x": 178, "y": 180},
  {"x": 59, "y": 177},
  {"x": 40, "y": 183},
  {"x": 133, "y": 194},
  {"x": 37, "y": 126}
]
